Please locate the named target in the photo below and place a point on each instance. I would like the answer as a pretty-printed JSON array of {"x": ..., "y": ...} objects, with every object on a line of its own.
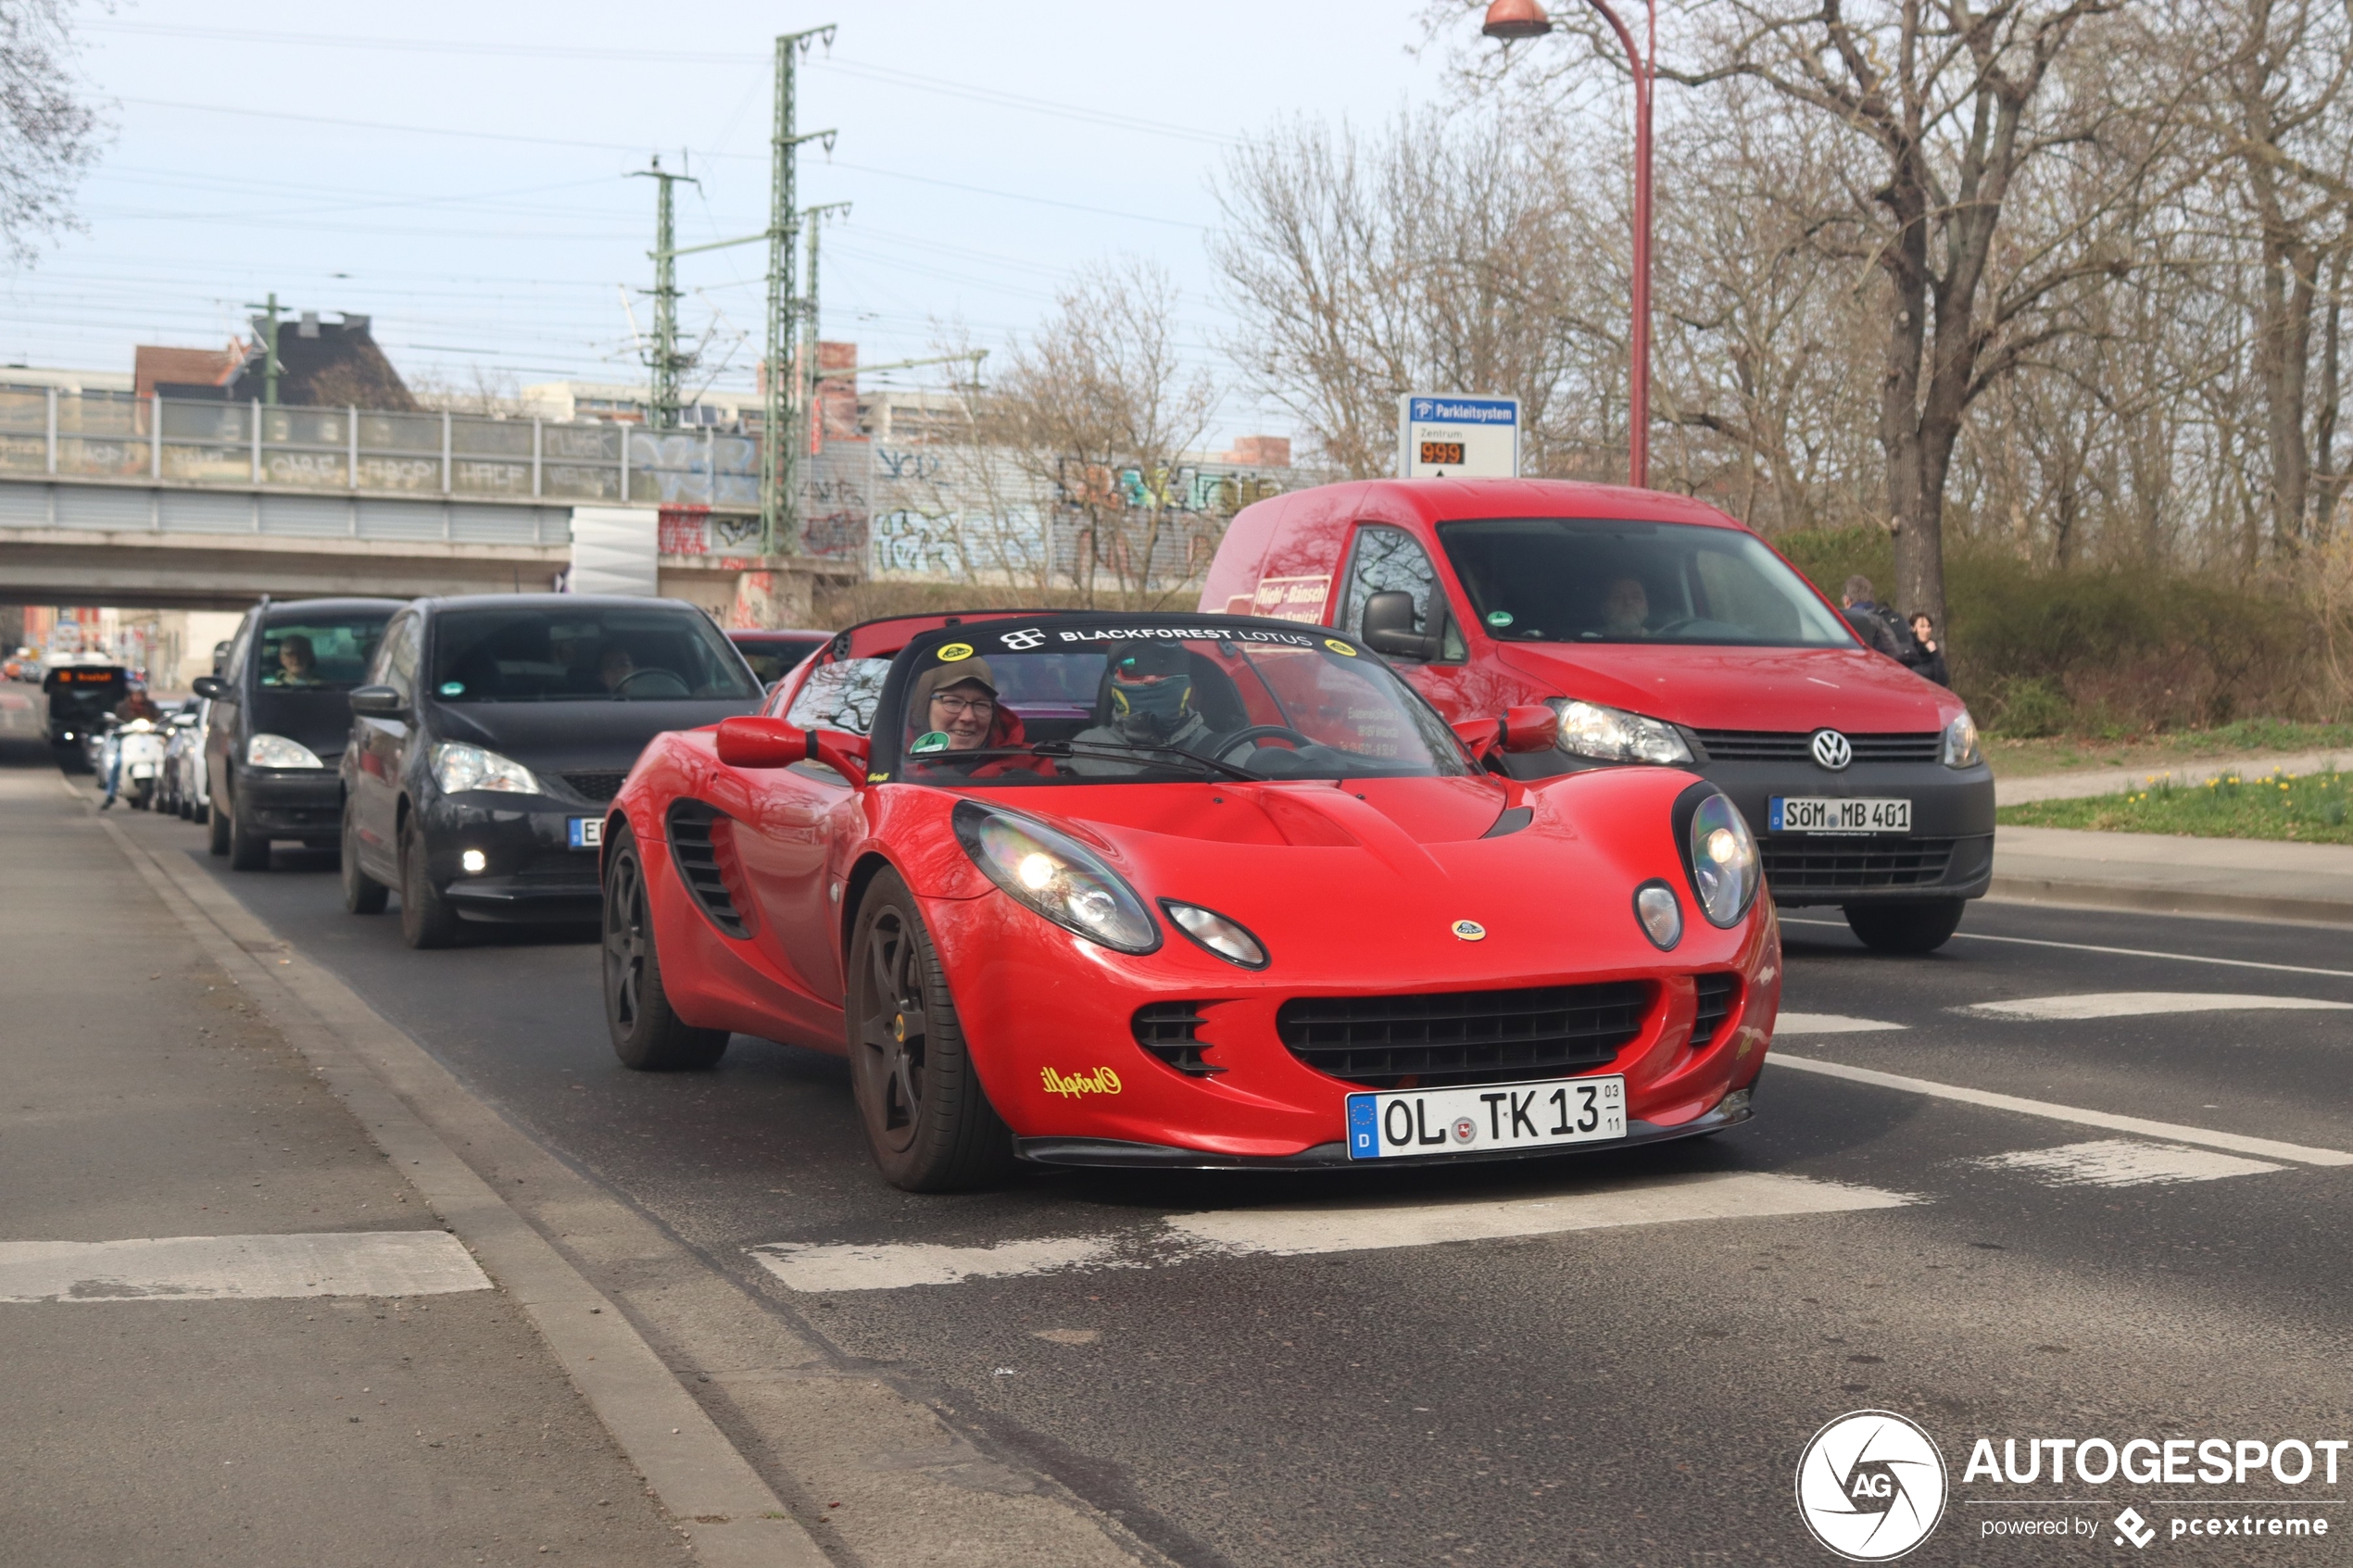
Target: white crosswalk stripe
[
  {"x": 2139, "y": 1004},
  {"x": 2123, "y": 1162},
  {"x": 1828, "y": 1023},
  {"x": 200, "y": 1268}
]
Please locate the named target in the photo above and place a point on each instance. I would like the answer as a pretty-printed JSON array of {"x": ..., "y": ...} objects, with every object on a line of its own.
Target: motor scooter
[{"x": 137, "y": 748}]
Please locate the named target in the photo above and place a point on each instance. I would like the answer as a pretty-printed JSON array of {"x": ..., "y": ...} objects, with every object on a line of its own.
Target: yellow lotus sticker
[
  {"x": 1340, "y": 648},
  {"x": 950, "y": 652},
  {"x": 1470, "y": 931},
  {"x": 1102, "y": 1081}
]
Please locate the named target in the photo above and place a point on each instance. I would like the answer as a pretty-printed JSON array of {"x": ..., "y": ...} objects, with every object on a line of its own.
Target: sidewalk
[
  {"x": 2080, "y": 786},
  {"x": 2250, "y": 878},
  {"x": 315, "y": 1370}
]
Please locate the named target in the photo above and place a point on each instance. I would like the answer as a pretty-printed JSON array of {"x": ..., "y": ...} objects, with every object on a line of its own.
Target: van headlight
[
  {"x": 1719, "y": 853},
  {"x": 1612, "y": 734},
  {"x": 1960, "y": 743},
  {"x": 277, "y": 751},
  {"x": 1055, "y": 877},
  {"x": 457, "y": 767}
]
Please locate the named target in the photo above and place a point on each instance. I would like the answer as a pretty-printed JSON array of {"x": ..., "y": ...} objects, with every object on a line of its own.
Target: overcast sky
[{"x": 482, "y": 213}]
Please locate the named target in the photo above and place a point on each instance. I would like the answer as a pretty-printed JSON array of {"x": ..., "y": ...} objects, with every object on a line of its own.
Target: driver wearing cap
[{"x": 1151, "y": 705}]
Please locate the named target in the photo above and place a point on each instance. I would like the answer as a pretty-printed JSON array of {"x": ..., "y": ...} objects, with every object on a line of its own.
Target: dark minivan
[
  {"x": 281, "y": 710},
  {"x": 491, "y": 732}
]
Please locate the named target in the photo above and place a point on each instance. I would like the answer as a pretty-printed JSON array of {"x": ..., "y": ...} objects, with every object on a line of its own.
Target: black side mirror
[
  {"x": 382, "y": 702},
  {"x": 1389, "y": 628},
  {"x": 212, "y": 688}
]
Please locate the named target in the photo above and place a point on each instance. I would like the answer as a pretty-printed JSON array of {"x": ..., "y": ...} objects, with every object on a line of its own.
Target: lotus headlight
[
  {"x": 1719, "y": 852},
  {"x": 277, "y": 751},
  {"x": 457, "y": 767},
  {"x": 1960, "y": 743},
  {"x": 1222, "y": 936},
  {"x": 1055, "y": 877},
  {"x": 1612, "y": 734}
]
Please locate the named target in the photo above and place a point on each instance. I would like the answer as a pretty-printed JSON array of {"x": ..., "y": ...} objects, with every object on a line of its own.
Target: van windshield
[
  {"x": 324, "y": 653},
  {"x": 584, "y": 654},
  {"x": 1574, "y": 580}
]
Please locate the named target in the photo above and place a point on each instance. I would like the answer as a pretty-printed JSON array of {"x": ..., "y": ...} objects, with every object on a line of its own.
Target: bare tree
[{"x": 48, "y": 137}]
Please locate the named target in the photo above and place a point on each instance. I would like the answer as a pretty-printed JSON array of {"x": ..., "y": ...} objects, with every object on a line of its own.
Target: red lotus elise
[{"x": 1185, "y": 891}]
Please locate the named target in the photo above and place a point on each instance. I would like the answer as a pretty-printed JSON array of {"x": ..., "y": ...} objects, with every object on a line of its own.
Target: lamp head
[{"x": 1508, "y": 20}]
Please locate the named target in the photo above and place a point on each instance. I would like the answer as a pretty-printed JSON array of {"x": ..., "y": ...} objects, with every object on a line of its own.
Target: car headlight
[
  {"x": 457, "y": 766},
  {"x": 1055, "y": 877},
  {"x": 1612, "y": 734},
  {"x": 1222, "y": 936},
  {"x": 277, "y": 751},
  {"x": 1719, "y": 852},
  {"x": 1960, "y": 743}
]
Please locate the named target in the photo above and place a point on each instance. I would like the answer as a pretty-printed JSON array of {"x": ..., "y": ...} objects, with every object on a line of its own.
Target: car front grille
[
  {"x": 1822, "y": 867},
  {"x": 1797, "y": 746},
  {"x": 1171, "y": 1031},
  {"x": 1430, "y": 1041},
  {"x": 599, "y": 787},
  {"x": 702, "y": 848},
  {"x": 1716, "y": 992}
]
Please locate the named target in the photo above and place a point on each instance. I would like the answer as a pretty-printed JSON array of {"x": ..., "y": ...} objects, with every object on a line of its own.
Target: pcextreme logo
[
  {"x": 1102, "y": 1081},
  {"x": 1871, "y": 1485}
]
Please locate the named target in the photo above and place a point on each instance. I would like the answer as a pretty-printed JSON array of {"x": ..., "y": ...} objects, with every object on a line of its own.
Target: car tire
[
  {"x": 926, "y": 1114},
  {"x": 647, "y": 1034},
  {"x": 200, "y": 812},
  {"x": 362, "y": 895},
  {"x": 217, "y": 842},
  {"x": 426, "y": 919},
  {"x": 1913, "y": 926},
  {"x": 248, "y": 849}
]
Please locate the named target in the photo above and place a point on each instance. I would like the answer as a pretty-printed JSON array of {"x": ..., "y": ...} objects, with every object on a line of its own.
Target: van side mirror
[
  {"x": 379, "y": 702},
  {"x": 755, "y": 741},
  {"x": 1389, "y": 628},
  {"x": 212, "y": 688}
]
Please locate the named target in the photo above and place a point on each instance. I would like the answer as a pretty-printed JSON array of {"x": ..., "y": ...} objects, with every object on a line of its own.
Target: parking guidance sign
[{"x": 1442, "y": 438}]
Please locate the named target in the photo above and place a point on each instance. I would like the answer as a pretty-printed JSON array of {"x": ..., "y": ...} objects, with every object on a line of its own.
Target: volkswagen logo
[
  {"x": 1832, "y": 751},
  {"x": 1871, "y": 1485}
]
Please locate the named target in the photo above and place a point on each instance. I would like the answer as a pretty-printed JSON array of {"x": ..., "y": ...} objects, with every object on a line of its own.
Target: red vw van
[{"x": 1664, "y": 633}]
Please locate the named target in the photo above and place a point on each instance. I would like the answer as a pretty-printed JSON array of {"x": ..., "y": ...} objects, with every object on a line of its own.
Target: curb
[{"x": 2065, "y": 894}]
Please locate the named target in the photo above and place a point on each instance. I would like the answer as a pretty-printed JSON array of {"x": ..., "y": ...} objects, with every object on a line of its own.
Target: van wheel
[
  {"x": 362, "y": 895},
  {"x": 1914, "y": 926},
  {"x": 426, "y": 919},
  {"x": 217, "y": 842},
  {"x": 248, "y": 847},
  {"x": 647, "y": 1034},
  {"x": 928, "y": 1120}
]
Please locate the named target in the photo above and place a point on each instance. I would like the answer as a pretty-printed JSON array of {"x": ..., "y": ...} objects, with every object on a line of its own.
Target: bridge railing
[{"x": 117, "y": 435}]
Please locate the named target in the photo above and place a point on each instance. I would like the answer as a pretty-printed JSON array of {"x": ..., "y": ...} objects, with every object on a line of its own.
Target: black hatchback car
[
  {"x": 280, "y": 708},
  {"x": 488, "y": 736}
]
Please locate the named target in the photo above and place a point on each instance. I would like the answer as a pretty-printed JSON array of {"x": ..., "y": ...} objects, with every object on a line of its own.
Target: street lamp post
[{"x": 1508, "y": 20}]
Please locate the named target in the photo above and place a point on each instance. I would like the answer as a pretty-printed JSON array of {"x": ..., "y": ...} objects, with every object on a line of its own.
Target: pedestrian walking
[
  {"x": 1873, "y": 621},
  {"x": 1929, "y": 665}
]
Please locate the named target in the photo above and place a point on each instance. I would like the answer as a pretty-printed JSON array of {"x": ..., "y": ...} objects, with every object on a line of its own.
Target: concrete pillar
[{"x": 766, "y": 599}]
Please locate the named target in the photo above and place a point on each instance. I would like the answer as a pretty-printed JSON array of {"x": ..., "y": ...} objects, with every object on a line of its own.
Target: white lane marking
[
  {"x": 1826, "y": 1023},
  {"x": 892, "y": 1265},
  {"x": 1326, "y": 1228},
  {"x": 1734, "y": 1195},
  {"x": 2118, "y": 952},
  {"x": 217, "y": 1268},
  {"x": 2135, "y": 1004},
  {"x": 2266, "y": 1147},
  {"x": 2123, "y": 1162}
]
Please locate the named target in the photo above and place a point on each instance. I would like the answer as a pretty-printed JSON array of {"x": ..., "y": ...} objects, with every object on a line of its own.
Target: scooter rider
[{"x": 138, "y": 705}]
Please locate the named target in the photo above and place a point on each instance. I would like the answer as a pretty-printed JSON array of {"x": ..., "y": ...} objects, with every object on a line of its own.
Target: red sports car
[{"x": 1184, "y": 891}]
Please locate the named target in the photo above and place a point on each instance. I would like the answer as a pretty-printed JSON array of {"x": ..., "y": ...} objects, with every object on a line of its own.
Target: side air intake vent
[
  {"x": 1717, "y": 990},
  {"x": 1171, "y": 1031},
  {"x": 702, "y": 845}
]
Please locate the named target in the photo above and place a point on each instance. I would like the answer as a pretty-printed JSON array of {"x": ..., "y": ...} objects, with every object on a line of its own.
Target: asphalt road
[{"x": 1625, "y": 1361}]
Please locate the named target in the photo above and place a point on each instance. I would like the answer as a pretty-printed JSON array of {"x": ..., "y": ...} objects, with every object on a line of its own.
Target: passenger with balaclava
[{"x": 1150, "y": 695}]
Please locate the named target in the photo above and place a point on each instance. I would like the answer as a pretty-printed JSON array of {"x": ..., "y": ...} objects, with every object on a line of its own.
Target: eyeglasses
[{"x": 965, "y": 704}]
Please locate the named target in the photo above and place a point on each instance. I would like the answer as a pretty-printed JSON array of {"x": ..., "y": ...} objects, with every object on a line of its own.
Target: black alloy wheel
[
  {"x": 1915, "y": 925},
  {"x": 647, "y": 1034},
  {"x": 927, "y": 1117},
  {"x": 426, "y": 919},
  {"x": 362, "y": 895}
]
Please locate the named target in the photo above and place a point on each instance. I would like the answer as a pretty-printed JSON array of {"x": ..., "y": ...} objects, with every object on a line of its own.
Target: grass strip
[{"x": 2307, "y": 809}]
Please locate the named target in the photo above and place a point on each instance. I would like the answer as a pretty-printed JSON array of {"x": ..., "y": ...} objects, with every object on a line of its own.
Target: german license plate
[
  {"x": 1485, "y": 1118},
  {"x": 587, "y": 833},
  {"x": 1798, "y": 813}
]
